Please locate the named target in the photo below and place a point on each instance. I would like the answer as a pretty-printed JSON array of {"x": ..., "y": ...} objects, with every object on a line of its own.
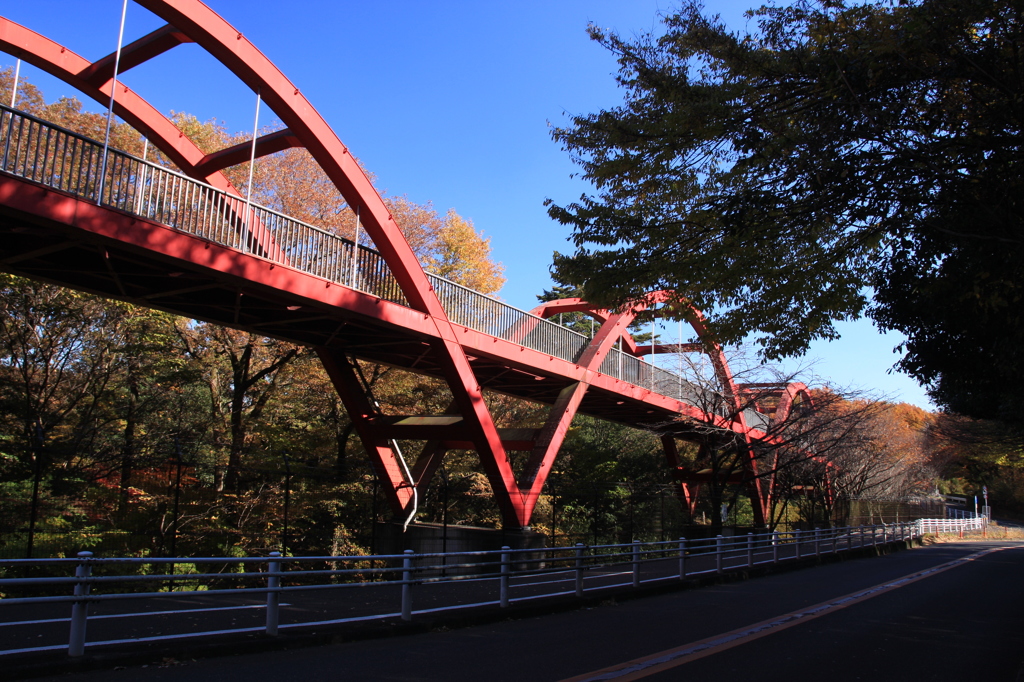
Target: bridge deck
[{"x": 165, "y": 241}]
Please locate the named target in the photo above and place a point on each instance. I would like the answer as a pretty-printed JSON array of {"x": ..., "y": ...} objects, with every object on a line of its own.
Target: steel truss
[{"x": 466, "y": 359}]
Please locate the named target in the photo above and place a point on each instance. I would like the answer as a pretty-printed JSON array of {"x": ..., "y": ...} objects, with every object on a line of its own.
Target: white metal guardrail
[
  {"x": 41, "y": 152},
  {"x": 332, "y": 590},
  {"x": 961, "y": 521}
]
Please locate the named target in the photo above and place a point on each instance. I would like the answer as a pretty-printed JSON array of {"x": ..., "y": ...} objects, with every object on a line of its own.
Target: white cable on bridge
[
  {"x": 620, "y": 358},
  {"x": 140, "y": 182},
  {"x": 14, "y": 88},
  {"x": 679, "y": 355},
  {"x": 252, "y": 165},
  {"x": 110, "y": 106},
  {"x": 653, "y": 349},
  {"x": 355, "y": 252}
]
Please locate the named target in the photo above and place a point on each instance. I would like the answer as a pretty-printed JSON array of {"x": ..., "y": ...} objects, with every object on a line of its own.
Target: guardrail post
[
  {"x": 796, "y": 541},
  {"x": 682, "y": 558},
  {"x": 407, "y": 585},
  {"x": 775, "y": 546},
  {"x": 750, "y": 550},
  {"x": 80, "y": 609},
  {"x": 636, "y": 563},
  {"x": 505, "y": 567},
  {"x": 817, "y": 542},
  {"x": 579, "y": 569},
  {"x": 719, "y": 544},
  {"x": 273, "y": 598}
]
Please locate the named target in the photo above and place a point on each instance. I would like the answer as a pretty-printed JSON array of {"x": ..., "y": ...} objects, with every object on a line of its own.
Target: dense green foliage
[{"x": 841, "y": 159}]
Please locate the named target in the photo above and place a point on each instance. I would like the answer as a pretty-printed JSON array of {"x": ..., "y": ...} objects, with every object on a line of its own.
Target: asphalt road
[{"x": 965, "y": 622}]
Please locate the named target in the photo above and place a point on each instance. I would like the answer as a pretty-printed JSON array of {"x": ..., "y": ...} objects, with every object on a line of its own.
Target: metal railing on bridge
[
  {"x": 240, "y": 596},
  {"x": 47, "y": 154}
]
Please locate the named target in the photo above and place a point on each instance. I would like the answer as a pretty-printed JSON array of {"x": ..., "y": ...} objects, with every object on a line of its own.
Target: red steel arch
[
  {"x": 759, "y": 484},
  {"x": 192, "y": 21}
]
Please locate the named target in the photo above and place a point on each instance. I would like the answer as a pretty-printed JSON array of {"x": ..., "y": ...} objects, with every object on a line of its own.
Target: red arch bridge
[{"x": 76, "y": 213}]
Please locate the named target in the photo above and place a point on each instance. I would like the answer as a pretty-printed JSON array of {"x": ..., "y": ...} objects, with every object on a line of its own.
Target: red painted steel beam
[
  {"x": 397, "y": 489},
  {"x": 569, "y": 305},
  {"x": 241, "y": 153},
  {"x": 165, "y": 38},
  {"x": 786, "y": 400},
  {"x": 553, "y": 433},
  {"x": 660, "y": 348},
  {"x": 234, "y": 51},
  {"x": 685, "y": 495},
  {"x": 429, "y": 461}
]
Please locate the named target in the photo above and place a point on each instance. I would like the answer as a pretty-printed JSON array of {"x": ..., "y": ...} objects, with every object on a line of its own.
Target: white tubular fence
[{"x": 150, "y": 600}]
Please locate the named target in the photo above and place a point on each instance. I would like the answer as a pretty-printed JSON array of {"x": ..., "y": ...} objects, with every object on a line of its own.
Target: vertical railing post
[
  {"x": 505, "y": 568},
  {"x": 273, "y": 597},
  {"x": 796, "y": 542},
  {"x": 817, "y": 542},
  {"x": 80, "y": 609},
  {"x": 407, "y": 585},
  {"x": 719, "y": 548},
  {"x": 636, "y": 563},
  {"x": 750, "y": 550},
  {"x": 775, "y": 546},
  {"x": 579, "y": 569},
  {"x": 682, "y": 558}
]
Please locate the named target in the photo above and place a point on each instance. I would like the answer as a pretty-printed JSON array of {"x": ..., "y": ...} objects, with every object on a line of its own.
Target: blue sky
[{"x": 444, "y": 101}]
